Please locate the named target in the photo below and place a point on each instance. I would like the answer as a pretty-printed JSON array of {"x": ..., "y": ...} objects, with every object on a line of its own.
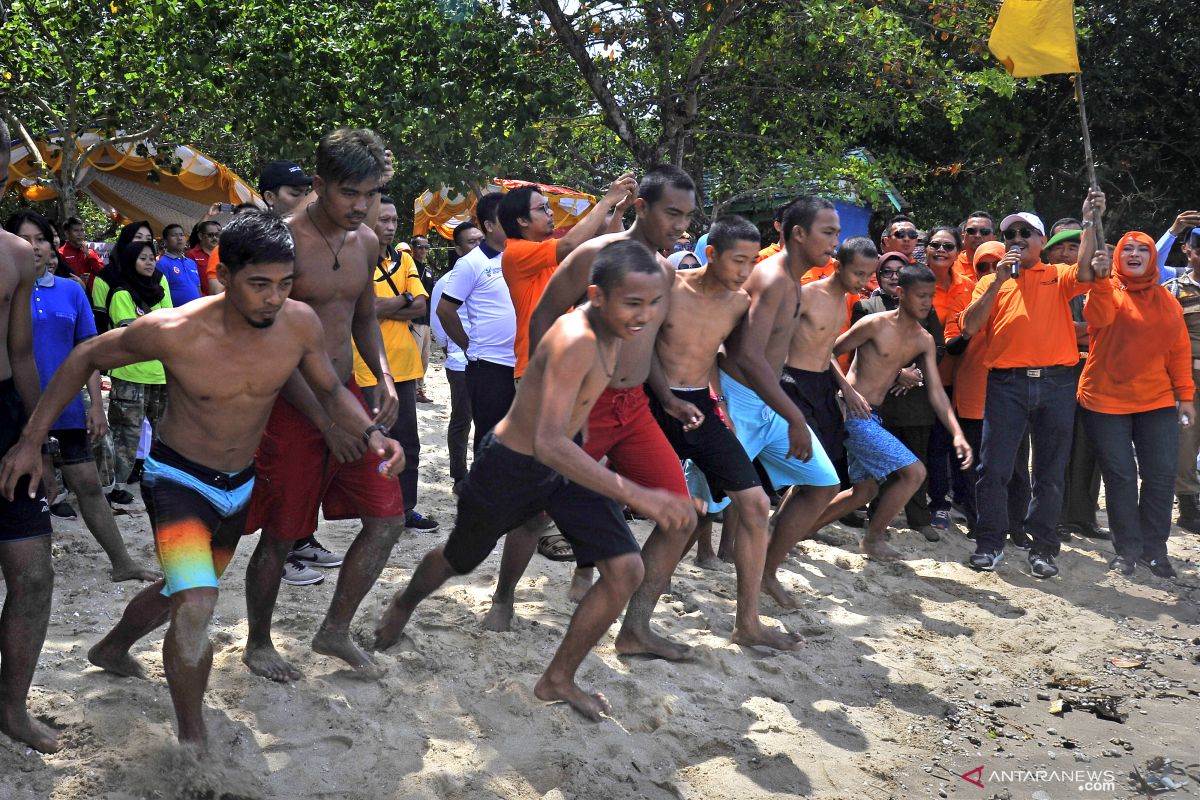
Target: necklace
[
  {"x": 608, "y": 373},
  {"x": 336, "y": 263}
]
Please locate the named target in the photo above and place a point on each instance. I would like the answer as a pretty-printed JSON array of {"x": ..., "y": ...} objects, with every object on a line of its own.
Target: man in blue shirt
[{"x": 183, "y": 273}]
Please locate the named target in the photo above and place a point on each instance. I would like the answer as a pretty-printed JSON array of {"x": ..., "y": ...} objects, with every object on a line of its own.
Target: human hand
[
  {"x": 97, "y": 423},
  {"x": 1187, "y": 413},
  {"x": 23, "y": 459},
  {"x": 1102, "y": 263},
  {"x": 621, "y": 190},
  {"x": 345, "y": 446},
  {"x": 799, "y": 440},
  {"x": 391, "y": 452},
  {"x": 1185, "y": 221},
  {"x": 388, "y": 407},
  {"x": 856, "y": 404},
  {"x": 963, "y": 450},
  {"x": 389, "y": 168},
  {"x": 685, "y": 412},
  {"x": 670, "y": 511},
  {"x": 1005, "y": 266},
  {"x": 1093, "y": 205}
]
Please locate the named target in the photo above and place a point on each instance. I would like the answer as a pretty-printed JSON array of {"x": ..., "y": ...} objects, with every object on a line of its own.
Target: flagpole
[{"x": 1087, "y": 152}]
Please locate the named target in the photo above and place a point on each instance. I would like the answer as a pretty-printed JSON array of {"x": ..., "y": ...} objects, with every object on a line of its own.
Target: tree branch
[
  {"x": 119, "y": 140},
  {"x": 23, "y": 132}
]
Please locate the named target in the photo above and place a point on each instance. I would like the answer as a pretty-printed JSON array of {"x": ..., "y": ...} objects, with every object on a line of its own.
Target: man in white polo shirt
[{"x": 477, "y": 312}]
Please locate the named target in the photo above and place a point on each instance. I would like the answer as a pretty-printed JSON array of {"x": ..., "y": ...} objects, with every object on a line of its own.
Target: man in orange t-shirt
[
  {"x": 976, "y": 229},
  {"x": 533, "y": 253},
  {"x": 777, "y": 245},
  {"x": 1031, "y": 357}
]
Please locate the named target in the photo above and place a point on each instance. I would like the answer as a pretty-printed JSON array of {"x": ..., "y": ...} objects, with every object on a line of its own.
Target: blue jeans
[
  {"x": 1141, "y": 523},
  {"x": 1045, "y": 407}
]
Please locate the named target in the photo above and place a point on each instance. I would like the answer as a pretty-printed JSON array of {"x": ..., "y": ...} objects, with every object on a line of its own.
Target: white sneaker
[
  {"x": 313, "y": 553},
  {"x": 297, "y": 573}
]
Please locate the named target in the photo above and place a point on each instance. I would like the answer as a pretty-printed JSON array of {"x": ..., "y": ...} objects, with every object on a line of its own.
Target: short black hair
[
  {"x": 256, "y": 237},
  {"x": 166, "y": 231},
  {"x": 620, "y": 258},
  {"x": 487, "y": 209},
  {"x": 387, "y": 200},
  {"x": 978, "y": 215},
  {"x": 950, "y": 229},
  {"x": 71, "y": 223},
  {"x": 732, "y": 228},
  {"x": 350, "y": 155},
  {"x": 242, "y": 208},
  {"x": 887, "y": 229},
  {"x": 514, "y": 206},
  {"x": 856, "y": 247},
  {"x": 802, "y": 212},
  {"x": 910, "y": 274},
  {"x": 1063, "y": 224},
  {"x": 650, "y": 188},
  {"x": 463, "y": 227},
  {"x": 779, "y": 212}
]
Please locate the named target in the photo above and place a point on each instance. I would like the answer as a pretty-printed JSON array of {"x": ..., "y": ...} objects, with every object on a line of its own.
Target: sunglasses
[
  {"x": 978, "y": 231},
  {"x": 904, "y": 234},
  {"x": 1013, "y": 233},
  {"x": 888, "y": 273},
  {"x": 941, "y": 246}
]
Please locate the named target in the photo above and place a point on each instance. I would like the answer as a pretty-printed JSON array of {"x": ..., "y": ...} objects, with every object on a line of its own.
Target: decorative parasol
[{"x": 444, "y": 210}]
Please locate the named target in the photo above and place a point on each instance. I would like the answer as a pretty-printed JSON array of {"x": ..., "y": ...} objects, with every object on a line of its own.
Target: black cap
[{"x": 282, "y": 173}]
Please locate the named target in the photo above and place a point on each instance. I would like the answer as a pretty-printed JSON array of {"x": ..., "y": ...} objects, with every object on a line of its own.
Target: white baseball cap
[{"x": 1026, "y": 216}]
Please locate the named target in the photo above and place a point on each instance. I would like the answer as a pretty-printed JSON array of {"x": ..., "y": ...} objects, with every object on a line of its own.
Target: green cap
[{"x": 1062, "y": 236}]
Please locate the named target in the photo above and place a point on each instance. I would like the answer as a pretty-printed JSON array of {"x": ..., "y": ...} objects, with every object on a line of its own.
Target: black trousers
[
  {"x": 459, "y": 427},
  {"x": 490, "y": 390},
  {"x": 404, "y": 431}
]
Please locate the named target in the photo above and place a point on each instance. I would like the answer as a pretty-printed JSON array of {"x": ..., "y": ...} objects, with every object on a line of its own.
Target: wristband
[{"x": 366, "y": 435}]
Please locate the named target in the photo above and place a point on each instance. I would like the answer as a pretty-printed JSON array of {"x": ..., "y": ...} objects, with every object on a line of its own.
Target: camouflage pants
[
  {"x": 102, "y": 451},
  {"x": 128, "y": 404}
]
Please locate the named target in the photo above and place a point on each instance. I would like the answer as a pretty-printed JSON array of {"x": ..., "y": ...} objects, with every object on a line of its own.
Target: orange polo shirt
[
  {"x": 816, "y": 273},
  {"x": 1031, "y": 323},
  {"x": 1165, "y": 370},
  {"x": 970, "y": 371},
  {"x": 948, "y": 301},
  {"x": 767, "y": 252},
  {"x": 963, "y": 266},
  {"x": 527, "y": 267}
]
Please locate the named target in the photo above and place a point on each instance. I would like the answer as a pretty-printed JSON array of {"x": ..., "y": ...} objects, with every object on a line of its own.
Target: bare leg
[
  {"x": 891, "y": 500},
  {"x": 262, "y": 589},
  {"x": 619, "y": 577},
  {"x": 519, "y": 546},
  {"x": 187, "y": 659},
  {"x": 725, "y": 550},
  {"x": 83, "y": 480},
  {"x": 581, "y": 582},
  {"x": 750, "y": 555},
  {"x": 800, "y": 509},
  {"x": 364, "y": 563},
  {"x": 148, "y": 610},
  {"x": 706, "y": 557},
  {"x": 430, "y": 574},
  {"x": 29, "y": 581},
  {"x": 660, "y": 556}
]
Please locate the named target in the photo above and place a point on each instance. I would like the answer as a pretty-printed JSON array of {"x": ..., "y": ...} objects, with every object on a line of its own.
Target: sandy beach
[{"x": 913, "y": 673}]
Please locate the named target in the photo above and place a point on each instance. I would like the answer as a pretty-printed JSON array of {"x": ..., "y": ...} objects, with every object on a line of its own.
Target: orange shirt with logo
[
  {"x": 528, "y": 267},
  {"x": 1031, "y": 323},
  {"x": 767, "y": 252}
]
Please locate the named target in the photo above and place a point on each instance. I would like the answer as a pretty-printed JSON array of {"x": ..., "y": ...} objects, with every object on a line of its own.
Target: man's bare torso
[
  {"x": 10, "y": 279},
  {"x": 822, "y": 318},
  {"x": 894, "y": 343},
  {"x": 770, "y": 273},
  {"x": 696, "y": 325}
]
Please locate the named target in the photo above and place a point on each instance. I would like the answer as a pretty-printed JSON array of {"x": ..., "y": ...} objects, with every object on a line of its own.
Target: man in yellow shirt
[{"x": 400, "y": 297}]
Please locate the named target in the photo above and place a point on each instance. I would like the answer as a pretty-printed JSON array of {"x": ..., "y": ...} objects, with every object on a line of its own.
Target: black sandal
[{"x": 556, "y": 548}]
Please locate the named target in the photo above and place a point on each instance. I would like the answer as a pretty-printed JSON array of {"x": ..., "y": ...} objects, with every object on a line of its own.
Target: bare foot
[
  {"x": 338, "y": 644},
  {"x": 592, "y": 706},
  {"x": 499, "y": 617},
  {"x": 581, "y": 581},
  {"x": 767, "y": 637},
  {"x": 708, "y": 562},
  {"x": 24, "y": 728},
  {"x": 391, "y": 626},
  {"x": 197, "y": 749},
  {"x": 133, "y": 572},
  {"x": 879, "y": 550},
  {"x": 267, "y": 663},
  {"x": 772, "y": 586},
  {"x": 118, "y": 663},
  {"x": 648, "y": 643}
]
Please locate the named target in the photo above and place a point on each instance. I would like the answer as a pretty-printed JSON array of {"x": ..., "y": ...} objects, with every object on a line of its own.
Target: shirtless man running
[
  {"x": 769, "y": 425},
  {"x": 620, "y": 426},
  {"x": 306, "y": 460},
  {"x": 883, "y": 344},
  {"x": 531, "y": 462},
  {"x": 24, "y": 517},
  {"x": 199, "y": 473},
  {"x": 706, "y": 305}
]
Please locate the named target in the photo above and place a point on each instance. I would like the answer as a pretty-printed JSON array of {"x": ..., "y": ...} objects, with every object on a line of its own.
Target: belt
[
  {"x": 1196, "y": 363},
  {"x": 1037, "y": 372}
]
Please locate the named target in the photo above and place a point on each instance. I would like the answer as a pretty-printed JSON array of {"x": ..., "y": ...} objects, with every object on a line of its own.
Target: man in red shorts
[
  {"x": 307, "y": 462},
  {"x": 620, "y": 425}
]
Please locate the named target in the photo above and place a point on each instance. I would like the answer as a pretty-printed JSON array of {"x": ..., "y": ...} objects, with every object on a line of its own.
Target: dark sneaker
[
  {"x": 930, "y": 533},
  {"x": 1020, "y": 539},
  {"x": 313, "y": 553},
  {"x": 1161, "y": 566},
  {"x": 1066, "y": 531},
  {"x": 985, "y": 560},
  {"x": 297, "y": 573},
  {"x": 1042, "y": 565},
  {"x": 63, "y": 510},
  {"x": 413, "y": 521},
  {"x": 1123, "y": 565},
  {"x": 941, "y": 521},
  {"x": 1095, "y": 532},
  {"x": 120, "y": 497}
]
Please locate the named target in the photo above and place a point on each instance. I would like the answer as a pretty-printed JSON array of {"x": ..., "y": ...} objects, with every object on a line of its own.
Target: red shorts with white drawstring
[{"x": 622, "y": 428}]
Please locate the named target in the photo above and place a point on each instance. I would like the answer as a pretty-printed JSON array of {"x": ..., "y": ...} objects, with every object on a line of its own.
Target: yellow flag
[{"x": 1035, "y": 37}]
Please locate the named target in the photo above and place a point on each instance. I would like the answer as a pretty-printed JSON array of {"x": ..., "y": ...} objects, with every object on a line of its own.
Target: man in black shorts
[
  {"x": 532, "y": 462},
  {"x": 199, "y": 473},
  {"x": 24, "y": 515}
]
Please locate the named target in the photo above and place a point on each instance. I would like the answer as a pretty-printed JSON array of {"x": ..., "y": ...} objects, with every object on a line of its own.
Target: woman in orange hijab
[{"x": 1136, "y": 390}]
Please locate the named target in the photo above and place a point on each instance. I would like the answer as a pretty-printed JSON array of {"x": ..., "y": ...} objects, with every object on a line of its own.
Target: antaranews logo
[{"x": 1082, "y": 780}]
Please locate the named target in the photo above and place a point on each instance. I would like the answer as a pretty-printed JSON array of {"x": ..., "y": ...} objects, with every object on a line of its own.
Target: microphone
[{"x": 1016, "y": 268}]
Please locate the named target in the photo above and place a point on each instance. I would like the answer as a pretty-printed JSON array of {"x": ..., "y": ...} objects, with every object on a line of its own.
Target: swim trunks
[
  {"x": 24, "y": 517},
  {"x": 874, "y": 453},
  {"x": 505, "y": 488},
  {"x": 816, "y": 394},
  {"x": 621, "y": 427},
  {"x": 73, "y": 447},
  {"x": 197, "y": 515},
  {"x": 712, "y": 447},
  {"x": 297, "y": 476},
  {"x": 764, "y": 435}
]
